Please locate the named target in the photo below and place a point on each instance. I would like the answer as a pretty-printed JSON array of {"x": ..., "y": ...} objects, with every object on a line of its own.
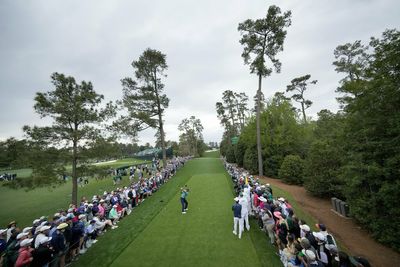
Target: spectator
[
  {"x": 43, "y": 254},
  {"x": 237, "y": 218},
  {"x": 3, "y": 241},
  {"x": 59, "y": 245},
  {"x": 114, "y": 216},
  {"x": 25, "y": 253},
  {"x": 11, "y": 226},
  {"x": 43, "y": 233}
]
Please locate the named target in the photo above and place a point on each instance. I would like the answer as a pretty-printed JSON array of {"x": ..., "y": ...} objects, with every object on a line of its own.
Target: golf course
[{"x": 158, "y": 234}]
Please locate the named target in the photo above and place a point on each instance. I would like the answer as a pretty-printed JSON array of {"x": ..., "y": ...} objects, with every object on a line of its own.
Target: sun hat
[
  {"x": 57, "y": 214},
  {"x": 43, "y": 218},
  {"x": 2, "y": 231},
  {"x": 44, "y": 228},
  {"x": 62, "y": 226},
  {"x": 36, "y": 221},
  {"x": 82, "y": 216},
  {"x": 321, "y": 226},
  {"x": 44, "y": 240},
  {"x": 277, "y": 214},
  {"x": 11, "y": 223},
  {"x": 27, "y": 229},
  {"x": 320, "y": 236},
  {"x": 305, "y": 227},
  {"x": 309, "y": 254},
  {"x": 236, "y": 199},
  {"x": 25, "y": 242},
  {"x": 281, "y": 199},
  {"x": 267, "y": 184},
  {"x": 43, "y": 223},
  {"x": 21, "y": 235}
]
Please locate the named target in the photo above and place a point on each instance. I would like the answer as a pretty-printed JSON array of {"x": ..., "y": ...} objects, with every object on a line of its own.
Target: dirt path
[{"x": 355, "y": 239}]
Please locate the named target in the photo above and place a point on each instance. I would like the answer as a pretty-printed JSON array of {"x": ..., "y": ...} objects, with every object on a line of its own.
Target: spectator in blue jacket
[
  {"x": 59, "y": 245},
  {"x": 237, "y": 217}
]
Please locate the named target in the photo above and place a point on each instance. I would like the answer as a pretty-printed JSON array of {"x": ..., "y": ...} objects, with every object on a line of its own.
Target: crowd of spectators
[
  {"x": 8, "y": 176},
  {"x": 59, "y": 240},
  {"x": 296, "y": 244}
]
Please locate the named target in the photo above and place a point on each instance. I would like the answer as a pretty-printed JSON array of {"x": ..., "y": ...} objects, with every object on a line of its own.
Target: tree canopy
[
  {"x": 76, "y": 113},
  {"x": 143, "y": 97},
  {"x": 262, "y": 39}
]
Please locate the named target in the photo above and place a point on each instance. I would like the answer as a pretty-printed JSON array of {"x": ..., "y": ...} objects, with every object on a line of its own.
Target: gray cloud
[{"x": 97, "y": 41}]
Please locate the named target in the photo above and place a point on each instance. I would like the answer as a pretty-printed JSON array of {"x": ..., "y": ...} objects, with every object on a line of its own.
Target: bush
[
  {"x": 272, "y": 163},
  {"x": 322, "y": 170},
  {"x": 230, "y": 154},
  {"x": 292, "y": 169},
  {"x": 250, "y": 160},
  {"x": 240, "y": 149}
]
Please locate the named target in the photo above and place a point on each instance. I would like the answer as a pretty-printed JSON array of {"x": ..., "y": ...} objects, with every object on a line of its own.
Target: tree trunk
[
  {"x": 160, "y": 122},
  {"x": 74, "y": 198},
  {"x": 259, "y": 151},
  {"x": 304, "y": 112},
  {"x": 164, "y": 153}
]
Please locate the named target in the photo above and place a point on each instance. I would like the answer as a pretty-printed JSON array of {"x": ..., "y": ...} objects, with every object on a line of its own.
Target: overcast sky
[{"x": 97, "y": 41}]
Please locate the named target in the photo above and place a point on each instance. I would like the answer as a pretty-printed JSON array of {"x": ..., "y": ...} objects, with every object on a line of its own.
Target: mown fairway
[{"x": 158, "y": 234}]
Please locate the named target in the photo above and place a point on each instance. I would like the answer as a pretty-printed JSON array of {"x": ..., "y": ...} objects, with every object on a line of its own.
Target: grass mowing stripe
[
  {"x": 202, "y": 237},
  {"x": 112, "y": 244}
]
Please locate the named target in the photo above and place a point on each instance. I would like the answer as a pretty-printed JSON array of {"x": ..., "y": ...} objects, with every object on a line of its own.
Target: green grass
[
  {"x": 157, "y": 234},
  {"x": 212, "y": 154},
  {"x": 122, "y": 162},
  {"x": 23, "y": 173},
  {"x": 25, "y": 206},
  {"x": 27, "y": 172}
]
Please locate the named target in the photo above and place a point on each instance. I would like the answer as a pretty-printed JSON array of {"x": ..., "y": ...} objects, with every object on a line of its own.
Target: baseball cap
[{"x": 321, "y": 226}]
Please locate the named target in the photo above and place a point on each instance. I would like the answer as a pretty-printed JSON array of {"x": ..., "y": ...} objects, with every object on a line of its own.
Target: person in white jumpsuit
[
  {"x": 247, "y": 195},
  {"x": 245, "y": 210}
]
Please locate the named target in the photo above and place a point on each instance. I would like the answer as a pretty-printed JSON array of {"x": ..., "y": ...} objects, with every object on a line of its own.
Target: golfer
[
  {"x": 237, "y": 217},
  {"x": 184, "y": 194}
]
